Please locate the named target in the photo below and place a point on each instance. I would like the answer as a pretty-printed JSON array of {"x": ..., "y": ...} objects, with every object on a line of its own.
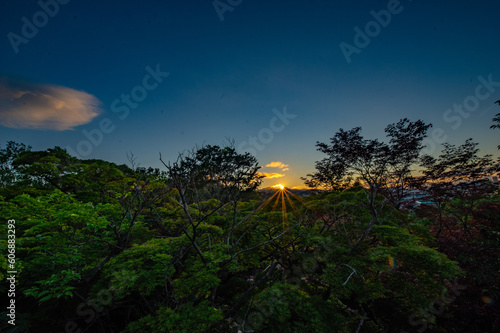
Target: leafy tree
[
  {"x": 9, "y": 175},
  {"x": 405, "y": 146},
  {"x": 60, "y": 243},
  {"x": 463, "y": 219},
  {"x": 375, "y": 164},
  {"x": 214, "y": 172},
  {"x": 40, "y": 172},
  {"x": 110, "y": 248},
  {"x": 456, "y": 181},
  {"x": 215, "y": 235},
  {"x": 375, "y": 289}
]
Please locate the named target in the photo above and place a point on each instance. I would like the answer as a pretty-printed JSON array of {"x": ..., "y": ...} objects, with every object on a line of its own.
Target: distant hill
[{"x": 300, "y": 192}]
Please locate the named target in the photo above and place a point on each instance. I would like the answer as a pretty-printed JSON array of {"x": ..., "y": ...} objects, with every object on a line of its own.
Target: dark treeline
[{"x": 398, "y": 241}]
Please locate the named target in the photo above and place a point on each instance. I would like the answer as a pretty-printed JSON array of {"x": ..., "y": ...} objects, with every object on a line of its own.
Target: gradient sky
[{"x": 232, "y": 69}]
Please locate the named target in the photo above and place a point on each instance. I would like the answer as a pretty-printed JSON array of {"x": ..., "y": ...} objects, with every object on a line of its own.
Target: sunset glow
[{"x": 279, "y": 186}]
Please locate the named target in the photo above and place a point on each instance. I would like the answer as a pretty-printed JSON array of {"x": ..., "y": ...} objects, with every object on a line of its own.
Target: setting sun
[{"x": 279, "y": 186}]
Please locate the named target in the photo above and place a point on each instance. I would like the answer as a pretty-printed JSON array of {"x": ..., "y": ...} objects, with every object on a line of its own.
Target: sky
[{"x": 106, "y": 78}]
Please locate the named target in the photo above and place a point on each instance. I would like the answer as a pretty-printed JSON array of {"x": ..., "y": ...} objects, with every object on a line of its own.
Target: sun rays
[
  {"x": 289, "y": 202},
  {"x": 284, "y": 198}
]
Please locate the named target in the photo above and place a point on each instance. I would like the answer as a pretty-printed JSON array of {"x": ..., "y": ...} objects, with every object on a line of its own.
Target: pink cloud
[{"x": 26, "y": 105}]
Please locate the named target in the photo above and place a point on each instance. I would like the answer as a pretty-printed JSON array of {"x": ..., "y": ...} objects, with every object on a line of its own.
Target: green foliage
[
  {"x": 55, "y": 235},
  {"x": 9, "y": 175},
  {"x": 187, "y": 318},
  {"x": 191, "y": 250},
  {"x": 146, "y": 266},
  {"x": 283, "y": 307},
  {"x": 54, "y": 287}
]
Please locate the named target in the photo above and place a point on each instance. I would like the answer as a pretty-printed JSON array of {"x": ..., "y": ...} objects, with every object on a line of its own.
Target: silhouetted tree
[
  {"x": 376, "y": 165},
  {"x": 496, "y": 120},
  {"x": 211, "y": 172},
  {"x": 456, "y": 181}
]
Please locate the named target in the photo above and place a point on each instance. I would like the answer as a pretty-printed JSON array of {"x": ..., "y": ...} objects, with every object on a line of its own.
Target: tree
[
  {"x": 330, "y": 175},
  {"x": 224, "y": 232},
  {"x": 128, "y": 250},
  {"x": 376, "y": 165},
  {"x": 63, "y": 242},
  {"x": 324, "y": 287},
  {"x": 405, "y": 146},
  {"x": 373, "y": 163},
  {"x": 497, "y": 120},
  {"x": 212, "y": 172},
  {"x": 457, "y": 181},
  {"x": 463, "y": 216},
  {"x": 9, "y": 175},
  {"x": 40, "y": 172}
]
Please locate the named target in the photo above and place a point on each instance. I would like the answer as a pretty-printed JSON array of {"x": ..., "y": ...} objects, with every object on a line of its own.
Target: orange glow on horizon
[{"x": 279, "y": 186}]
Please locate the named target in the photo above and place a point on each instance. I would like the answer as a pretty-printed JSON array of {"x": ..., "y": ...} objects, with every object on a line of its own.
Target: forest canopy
[{"x": 197, "y": 247}]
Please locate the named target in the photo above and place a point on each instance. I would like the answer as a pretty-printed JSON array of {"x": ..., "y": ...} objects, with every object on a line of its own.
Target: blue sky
[{"x": 229, "y": 78}]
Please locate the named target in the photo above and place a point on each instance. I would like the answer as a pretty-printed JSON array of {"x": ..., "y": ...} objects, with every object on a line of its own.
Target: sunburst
[{"x": 286, "y": 198}]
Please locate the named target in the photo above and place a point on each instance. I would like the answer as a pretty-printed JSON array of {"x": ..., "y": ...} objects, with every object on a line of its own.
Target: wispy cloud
[
  {"x": 278, "y": 164},
  {"x": 270, "y": 175},
  {"x": 44, "y": 106}
]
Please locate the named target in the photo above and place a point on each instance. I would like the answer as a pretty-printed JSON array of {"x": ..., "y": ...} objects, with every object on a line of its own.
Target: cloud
[
  {"x": 270, "y": 175},
  {"x": 277, "y": 164},
  {"x": 285, "y": 169},
  {"x": 44, "y": 106}
]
